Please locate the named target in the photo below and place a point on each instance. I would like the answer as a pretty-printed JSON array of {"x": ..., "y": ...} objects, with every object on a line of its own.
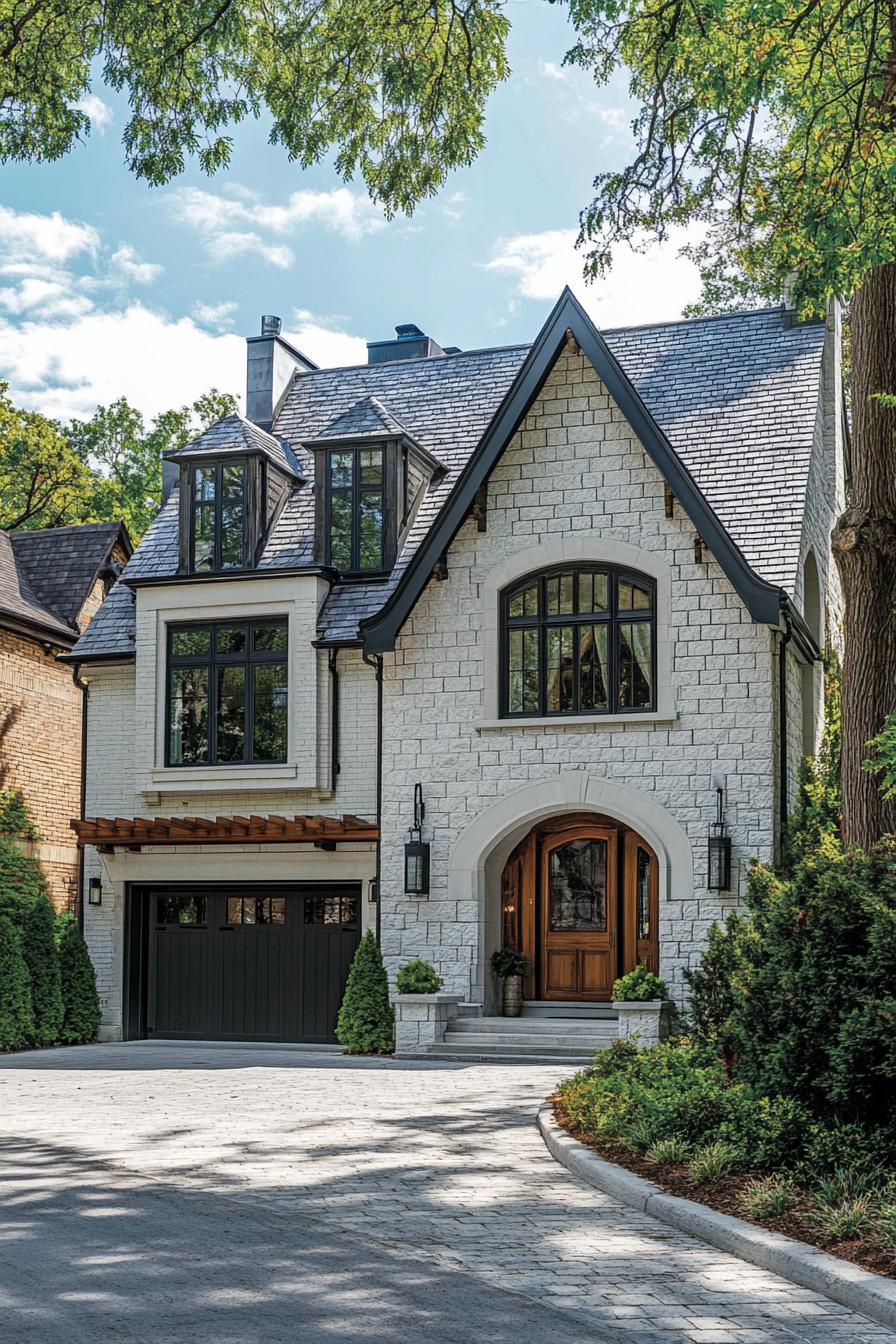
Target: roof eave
[
  {"x": 763, "y": 600},
  {"x": 43, "y": 633}
]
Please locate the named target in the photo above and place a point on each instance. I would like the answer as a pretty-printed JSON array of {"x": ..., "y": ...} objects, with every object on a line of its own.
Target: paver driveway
[{"x": 436, "y": 1165}]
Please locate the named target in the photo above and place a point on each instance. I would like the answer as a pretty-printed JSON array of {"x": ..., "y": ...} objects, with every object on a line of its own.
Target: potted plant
[
  {"x": 513, "y": 968},
  {"x": 644, "y": 1012}
]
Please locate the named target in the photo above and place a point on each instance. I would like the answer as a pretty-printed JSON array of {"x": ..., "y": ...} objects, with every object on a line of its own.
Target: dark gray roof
[
  {"x": 368, "y": 418},
  {"x": 235, "y": 434},
  {"x": 736, "y": 396},
  {"x": 46, "y": 575}
]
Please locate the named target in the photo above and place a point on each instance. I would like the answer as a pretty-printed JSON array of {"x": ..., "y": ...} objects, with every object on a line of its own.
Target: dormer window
[
  {"x": 355, "y": 487},
  {"x": 218, "y": 516}
]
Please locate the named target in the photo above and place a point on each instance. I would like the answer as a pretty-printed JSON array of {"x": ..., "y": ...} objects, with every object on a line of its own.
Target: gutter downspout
[
  {"x": 335, "y": 767},
  {"x": 376, "y": 662},
  {"x": 783, "y": 641},
  {"x": 85, "y": 698}
]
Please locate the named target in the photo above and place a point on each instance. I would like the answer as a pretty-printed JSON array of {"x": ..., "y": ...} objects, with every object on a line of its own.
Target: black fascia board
[
  {"x": 226, "y": 575},
  {"x": 35, "y": 629},
  {"x": 762, "y": 599}
]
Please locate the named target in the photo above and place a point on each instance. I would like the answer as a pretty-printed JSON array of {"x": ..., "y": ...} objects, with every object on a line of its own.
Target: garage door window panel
[{"x": 227, "y": 694}]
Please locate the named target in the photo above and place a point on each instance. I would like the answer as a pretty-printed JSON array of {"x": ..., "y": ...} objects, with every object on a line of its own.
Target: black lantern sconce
[
  {"x": 719, "y": 851},
  {"x": 416, "y": 853},
  {"x": 95, "y": 891}
]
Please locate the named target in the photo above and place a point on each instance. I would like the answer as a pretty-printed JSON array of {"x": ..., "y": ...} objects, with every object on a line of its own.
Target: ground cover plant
[{"x": 779, "y": 1102}]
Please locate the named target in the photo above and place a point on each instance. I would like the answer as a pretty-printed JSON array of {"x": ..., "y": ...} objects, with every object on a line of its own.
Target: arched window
[{"x": 580, "y": 639}]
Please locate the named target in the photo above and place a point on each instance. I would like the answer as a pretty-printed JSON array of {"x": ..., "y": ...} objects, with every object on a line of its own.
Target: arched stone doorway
[
  {"x": 580, "y": 898},
  {"x": 480, "y": 852}
]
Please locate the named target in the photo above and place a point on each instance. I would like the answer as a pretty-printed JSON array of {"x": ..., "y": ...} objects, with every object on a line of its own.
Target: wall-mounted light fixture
[
  {"x": 373, "y": 891},
  {"x": 416, "y": 853},
  {"x": 719, "y": 850},
  {"x": 95, "y": 891}
]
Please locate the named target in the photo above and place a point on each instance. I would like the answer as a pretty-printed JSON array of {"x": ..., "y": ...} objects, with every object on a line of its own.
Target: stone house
[
  {"x": 554, "y": 609},
  {"x": 52, "y": 582}
]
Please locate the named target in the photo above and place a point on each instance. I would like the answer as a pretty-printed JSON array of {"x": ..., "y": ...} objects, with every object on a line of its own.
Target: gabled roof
[
  {"x": 761, "y": 598},
  {"x": 735, "y": 398},
  {"x": 368, "y": 418},
  {"x": 46, "y": 575},
  {"x": 234, "y": 434}
]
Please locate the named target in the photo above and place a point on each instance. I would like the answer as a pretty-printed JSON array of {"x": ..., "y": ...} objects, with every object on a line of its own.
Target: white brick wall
[{"x": 573, "y": 471}]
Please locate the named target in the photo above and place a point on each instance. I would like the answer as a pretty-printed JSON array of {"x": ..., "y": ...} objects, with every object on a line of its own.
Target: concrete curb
[{"x": 804, "y": 1265}]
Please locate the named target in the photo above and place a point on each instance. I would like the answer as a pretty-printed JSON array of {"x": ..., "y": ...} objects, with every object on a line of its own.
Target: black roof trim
[
  {"x": 762, "y": 599},
  {"x": 228, "y": 575},
  {"x": 19, "y": 624}
]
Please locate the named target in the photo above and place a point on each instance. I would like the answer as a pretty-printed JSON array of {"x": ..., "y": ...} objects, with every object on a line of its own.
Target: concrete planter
[
  {"x": 421, "y": 1020},
  {"x": 647, "y": 1022}
]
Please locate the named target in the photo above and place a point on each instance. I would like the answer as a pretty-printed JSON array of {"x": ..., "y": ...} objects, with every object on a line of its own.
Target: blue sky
[{"x": 109, "y": 287}]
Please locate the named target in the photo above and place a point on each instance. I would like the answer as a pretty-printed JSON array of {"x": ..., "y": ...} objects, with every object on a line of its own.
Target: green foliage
[
  {"x": 815, "y": 820},
  {"x": 670, "y": 1152},
  {"x": 711, "y": 1161},
  {"x": 639, "y": 986},
  {"x": 508, "y": 962},
  {"x": 81, "y": 1008},
  {"x": 718, "y": 982},
  {"x": 396, "y": 91},
  {"x": 15, "y": 819},
  {"x": 16, "y": 1017},
  {"x": 21, "y": 880},
  {"x": 846, "y": 1220},
  {"x": 768, "y": 1197},
  {"x": 365, "y": 1025},
  {"x": 768, "y": 129},
  {"x": 882, "y": 761},
  {"x": 107, "y": 467},
  {"x": 39, "y": 951},
  {"x": 418, "y": 977}
]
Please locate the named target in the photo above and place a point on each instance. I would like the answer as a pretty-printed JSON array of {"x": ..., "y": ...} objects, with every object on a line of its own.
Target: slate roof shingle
[
  {"x": 368, "y": 418},
  {"x": 235, "y": 434},
  {"x": 46, "y": 575},
  {"x": 737, "y": 397}
]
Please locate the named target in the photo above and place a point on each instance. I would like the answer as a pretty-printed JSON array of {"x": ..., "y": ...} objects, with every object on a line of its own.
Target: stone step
[
  {"x": 525, "y": 1026},
  {"x": 540, "y": 1008},
  {"x": 554, "y": 1046},
  {"x": 458, "y": 1056}
]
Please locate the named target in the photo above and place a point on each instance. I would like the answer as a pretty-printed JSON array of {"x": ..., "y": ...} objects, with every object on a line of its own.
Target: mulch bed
[{"x": 724, "y": 1195}]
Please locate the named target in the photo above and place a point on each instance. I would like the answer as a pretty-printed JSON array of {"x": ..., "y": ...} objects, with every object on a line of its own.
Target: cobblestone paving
[{"x": 442, "y": 1160}]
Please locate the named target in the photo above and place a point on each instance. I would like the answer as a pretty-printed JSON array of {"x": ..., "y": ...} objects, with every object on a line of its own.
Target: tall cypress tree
[
  {"x": 16, "y": 1017},
  {"x": 81, "y": 1015}
]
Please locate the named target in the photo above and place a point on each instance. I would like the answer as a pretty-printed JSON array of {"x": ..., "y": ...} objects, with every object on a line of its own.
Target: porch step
[
  {"x": 507, "y": 1057},
  {"x": 517, "y": 1028},
  {"x": 535, "y": 1008}
]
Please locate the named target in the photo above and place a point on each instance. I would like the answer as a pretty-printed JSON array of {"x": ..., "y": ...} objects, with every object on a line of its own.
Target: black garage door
[{"x": 249, "y": 963}]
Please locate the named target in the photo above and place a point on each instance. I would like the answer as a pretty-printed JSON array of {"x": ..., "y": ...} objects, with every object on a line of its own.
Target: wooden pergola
[{"x": 110, "y": 833}]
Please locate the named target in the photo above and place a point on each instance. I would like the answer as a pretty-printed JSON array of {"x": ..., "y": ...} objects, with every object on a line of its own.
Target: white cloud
[
  {"x": 128, "y": 263},
  {"x": 238, "y": 222},
  {"x": 100, "y": 113},
  {"x": 66, "y": 369},
  {"x": 452, "y": 206},
  {"x": 57, "y": 297},
  {"x": 550, "y": 70},
  {"x": 325, "y": 340},
  {"x": 44, "y": 237},
  {"x": 217, "y": 315},
  {"x": 648, "y": 286}
]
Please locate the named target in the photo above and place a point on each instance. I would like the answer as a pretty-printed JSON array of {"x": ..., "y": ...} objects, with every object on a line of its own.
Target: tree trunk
[{"x": 864, "y": 543}]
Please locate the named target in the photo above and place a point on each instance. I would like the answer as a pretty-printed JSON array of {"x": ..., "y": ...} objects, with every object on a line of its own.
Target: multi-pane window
[
  {"x": 333, "y": 912},
  {"x": 579, "y": 640},
  {"x": 227, "y": 693},
  {"x": 218, "y": 507},
  {"x": 355, "y": 523},
  {"x": 256, "y": 909}
]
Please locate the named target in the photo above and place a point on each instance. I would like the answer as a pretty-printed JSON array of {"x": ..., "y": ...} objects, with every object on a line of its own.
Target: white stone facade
[{"x": 574, "y": 483}]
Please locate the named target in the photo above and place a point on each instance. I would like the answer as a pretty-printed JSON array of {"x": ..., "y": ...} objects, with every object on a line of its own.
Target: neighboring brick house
[
  {"x": 576, "y": 591},
  {"x": 52, "y": 583}
]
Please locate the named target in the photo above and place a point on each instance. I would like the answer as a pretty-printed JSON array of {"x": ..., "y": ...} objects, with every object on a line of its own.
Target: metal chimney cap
[{"x": 270, "y": 325}]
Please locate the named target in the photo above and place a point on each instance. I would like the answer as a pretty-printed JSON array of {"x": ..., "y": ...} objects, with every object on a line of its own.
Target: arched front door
[{"x": 579, "y": 897}]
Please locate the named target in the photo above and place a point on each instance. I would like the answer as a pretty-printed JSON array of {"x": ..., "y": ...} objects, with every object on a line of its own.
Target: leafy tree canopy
[
  {"x": 395, "y": 88},
  {"x": 769, "y": 122},
  {"x": 107, "y": 467}
]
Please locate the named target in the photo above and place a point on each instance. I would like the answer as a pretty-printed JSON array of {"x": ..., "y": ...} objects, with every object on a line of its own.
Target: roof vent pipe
[{"x": 270, "y": 325}]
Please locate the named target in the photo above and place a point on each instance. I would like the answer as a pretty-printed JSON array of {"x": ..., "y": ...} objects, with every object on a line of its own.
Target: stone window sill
[
  {"x": 579, "y": 722},
  {"x": 215, "y": 779}
]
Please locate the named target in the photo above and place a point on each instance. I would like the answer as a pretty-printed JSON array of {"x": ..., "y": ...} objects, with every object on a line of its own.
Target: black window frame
[
  {"x": 542, "y": 622},
  {"x": 250, "y": 658},
  {"x": 354, "y": 491},
  {"x": 218, "y": 464}
]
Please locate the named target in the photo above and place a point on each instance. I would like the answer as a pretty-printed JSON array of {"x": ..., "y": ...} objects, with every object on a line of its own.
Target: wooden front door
[
  {"x": 579, "y": 897},
  {"x": 578, "y": 914}
]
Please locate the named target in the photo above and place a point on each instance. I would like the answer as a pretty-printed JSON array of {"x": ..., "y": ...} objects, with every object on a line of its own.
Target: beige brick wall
[{"x": 40, "y": 753}]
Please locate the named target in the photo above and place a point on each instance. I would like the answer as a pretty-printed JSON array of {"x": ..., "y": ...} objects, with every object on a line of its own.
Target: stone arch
[{"x": 481, "y": 850}]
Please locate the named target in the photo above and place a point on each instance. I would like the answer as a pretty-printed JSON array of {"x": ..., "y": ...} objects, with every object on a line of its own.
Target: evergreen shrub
[
  {"x": 418, "y": 977},
  {"x": 365, "y": 1025},
  {"x": 81, "y": 1008},
  {"x": 16, "y": 1017}
]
